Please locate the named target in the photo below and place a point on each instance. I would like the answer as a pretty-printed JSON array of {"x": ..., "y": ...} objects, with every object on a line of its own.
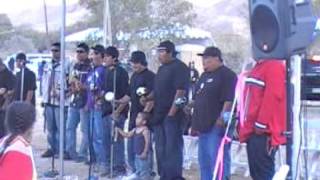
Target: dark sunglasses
[
  {"x": 96, "y": 52},
  {"x": 55, "y": 50},
  {"x": 80, "y": 51}
]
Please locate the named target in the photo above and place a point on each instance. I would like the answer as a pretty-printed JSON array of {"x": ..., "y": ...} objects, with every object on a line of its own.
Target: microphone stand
[
  {"x": 53, "y": 172},
  {"x": 91, "y": 127},
  {"x": 22, "y": 83},
  {"x": 113, "y": 133}
]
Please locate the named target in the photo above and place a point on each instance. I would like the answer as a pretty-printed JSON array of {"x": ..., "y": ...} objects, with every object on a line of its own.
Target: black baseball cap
[
  {"x": 139, "y": 57},
  {"x": 83, "y": 46},
  {"x": 168, "y": 46},
  {"x": 212, "y": 52},
  {"x": 21, "y": 56},
  {"x": 98, "y": 48},
  {"x": 112, "y": 51},
  {"x": 56, "y": 44}
]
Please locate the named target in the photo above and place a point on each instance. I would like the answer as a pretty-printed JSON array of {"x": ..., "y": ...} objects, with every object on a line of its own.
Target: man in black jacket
[{"x": 117, "y": 81}]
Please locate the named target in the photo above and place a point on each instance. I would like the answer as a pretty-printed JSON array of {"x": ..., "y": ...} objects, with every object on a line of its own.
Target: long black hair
[{"x": 20, "y": 117}]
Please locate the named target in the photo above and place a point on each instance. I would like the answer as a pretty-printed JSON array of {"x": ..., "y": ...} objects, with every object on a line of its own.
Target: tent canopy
[{"x": 97, "y": 33}]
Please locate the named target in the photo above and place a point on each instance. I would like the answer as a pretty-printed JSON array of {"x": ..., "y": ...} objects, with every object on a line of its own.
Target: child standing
[{"x": 141, "y": 139}]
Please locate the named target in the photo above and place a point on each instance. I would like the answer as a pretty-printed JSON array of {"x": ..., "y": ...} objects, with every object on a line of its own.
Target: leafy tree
[
  {"x": 5, "y": 28},
  {"x": 17, "y": 43},
  {"x": 316, "y": 7},
  {"x": 135, "y": 16}
]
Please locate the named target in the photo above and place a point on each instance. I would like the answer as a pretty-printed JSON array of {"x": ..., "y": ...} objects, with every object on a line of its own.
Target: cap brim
[
  {"x": 200, "y": 54},
  {"x": 161, "y": 48}
]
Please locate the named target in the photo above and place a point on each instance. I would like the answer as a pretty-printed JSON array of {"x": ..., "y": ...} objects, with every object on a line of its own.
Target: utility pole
[
  {"x": 46, "y": 24},
  {"x": 107, "y": 33},
  {"x": 62, "y": 87}
]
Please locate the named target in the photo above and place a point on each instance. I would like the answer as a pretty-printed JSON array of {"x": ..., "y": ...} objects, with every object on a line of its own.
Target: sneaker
[
  {"x": 48, "y": 153},
  {"x": 80, "y": 159},
  {"x": 104, "y": 171},
  {"x": 130, "y": 177},
  {"x": 119, "y": 171},
  {"x": 67, "y": 156},
  {"x": 153, "y": 174},
  {"x": 95, "y": 168}
]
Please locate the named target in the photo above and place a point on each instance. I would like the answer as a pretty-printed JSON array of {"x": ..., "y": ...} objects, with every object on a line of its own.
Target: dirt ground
[{"x": 79, "y": 171}]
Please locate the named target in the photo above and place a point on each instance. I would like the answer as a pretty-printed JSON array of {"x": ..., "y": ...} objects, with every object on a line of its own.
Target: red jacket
[
  {"x": 17, "y": 161},
  {"x": 265, "y": 101}
]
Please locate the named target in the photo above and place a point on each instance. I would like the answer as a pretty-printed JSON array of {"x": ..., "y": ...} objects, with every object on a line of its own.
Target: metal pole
[
  {"x": 296, "y": 104},
  {"x": 62, "y": 87},
  {"x": 46, "y": 24},
  {"x": 107, "y": 36},
  {"x": 113, "y": 133},
  {"x": 289, "y": 118},
  {"x": 105, "y": 25}
]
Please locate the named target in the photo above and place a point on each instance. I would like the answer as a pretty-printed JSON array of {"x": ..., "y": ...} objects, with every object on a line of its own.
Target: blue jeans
[
  {"x": 208, "y": 150},
  {"x": 52, "y": 115},
  {"x": 169, "y": 147},
  {"x": 131, "y": 154},
  {"x": 143, "y": 168},
  {"x": 118, "y": 146},
  {"x": 75, "y": 116},
  {"x": 97, "y": 127}
]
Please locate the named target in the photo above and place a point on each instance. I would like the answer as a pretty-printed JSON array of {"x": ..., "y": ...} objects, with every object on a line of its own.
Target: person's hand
[
  {"x": 143, "y": 100},
  {"x": 192, "y": 132},
  {"x": 2, "y": 91},
  {"x": 220, "y": 123},
  {"x": 143, "y": 156},
  {"x": 78, "y": 86},
  {"x": 86, "y": 108},
  {"x": 259, "y": 131},
  {"x": 115, "y": 115},
  {"x": 188, "y": 109},
  {"x": 172, "y": 112},
  {"x": 54, "y": 93},
  {"x": 119, "y": 101}
]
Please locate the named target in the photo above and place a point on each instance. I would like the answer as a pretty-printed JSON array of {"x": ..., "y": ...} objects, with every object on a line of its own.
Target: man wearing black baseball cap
[
  {"x": 26, "y": 81},
  {"x": 171, "y": 83},
  {"x": 212, "y": 104}
]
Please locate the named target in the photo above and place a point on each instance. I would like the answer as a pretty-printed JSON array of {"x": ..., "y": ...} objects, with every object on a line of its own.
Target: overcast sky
[{"x": 12, "y": 6}]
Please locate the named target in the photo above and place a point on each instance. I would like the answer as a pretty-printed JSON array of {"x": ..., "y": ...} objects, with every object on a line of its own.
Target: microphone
[
  {"x": 142, "y": 91},
  {"x": 180, "y": 102}
]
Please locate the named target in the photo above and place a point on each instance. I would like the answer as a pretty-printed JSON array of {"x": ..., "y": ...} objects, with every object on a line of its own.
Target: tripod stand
[{"x": 53, "y": 172}]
